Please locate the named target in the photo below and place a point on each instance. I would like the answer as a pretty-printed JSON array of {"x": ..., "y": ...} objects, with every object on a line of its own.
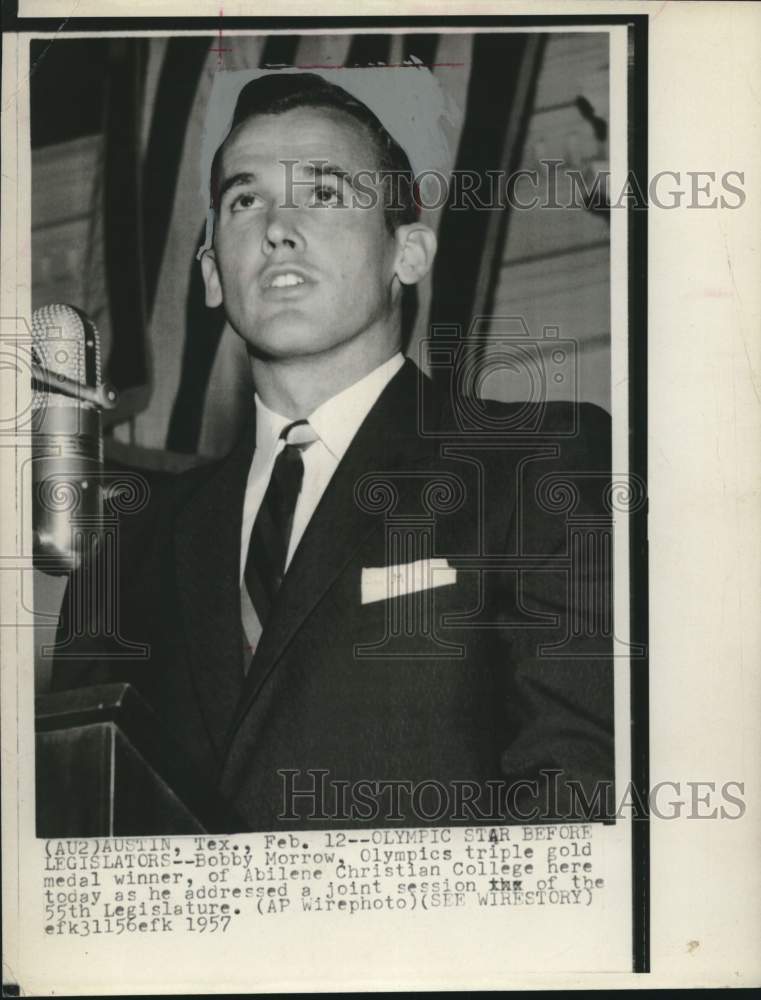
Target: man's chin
[{"x": 284, "y": 340}]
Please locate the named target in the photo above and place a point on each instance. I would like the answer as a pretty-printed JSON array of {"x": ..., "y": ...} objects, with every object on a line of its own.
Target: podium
[{"x": 105, "y": 767}]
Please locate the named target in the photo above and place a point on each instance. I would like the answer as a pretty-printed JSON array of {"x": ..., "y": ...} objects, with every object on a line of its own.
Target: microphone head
[
  {"x": 67, "y": 440},
  {"x": 65, "y": 341}
]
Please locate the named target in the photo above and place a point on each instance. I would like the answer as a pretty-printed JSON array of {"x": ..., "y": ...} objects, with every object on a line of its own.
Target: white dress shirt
[{"x": 335, "y": 422}]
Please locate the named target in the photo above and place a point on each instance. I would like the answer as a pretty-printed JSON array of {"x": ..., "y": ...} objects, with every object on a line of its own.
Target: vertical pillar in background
[
  {"x": 502, "y": 78},
  {"x": 127, "y": 364}
]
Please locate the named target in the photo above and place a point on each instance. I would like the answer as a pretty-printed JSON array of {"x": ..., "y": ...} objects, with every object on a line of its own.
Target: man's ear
[
  {"x": 211, "y": 279},
  {"x": 415, "y": 250}
]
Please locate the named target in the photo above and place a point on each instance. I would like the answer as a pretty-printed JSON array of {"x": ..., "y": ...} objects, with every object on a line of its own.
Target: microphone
[{"x": 67, "y": 439}]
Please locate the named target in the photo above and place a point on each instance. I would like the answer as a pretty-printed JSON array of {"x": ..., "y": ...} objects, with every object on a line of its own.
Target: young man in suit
[{"x": 363, "y": 615}]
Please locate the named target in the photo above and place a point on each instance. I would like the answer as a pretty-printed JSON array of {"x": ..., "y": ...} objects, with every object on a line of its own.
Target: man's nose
[{"x": 281, "y": 229}]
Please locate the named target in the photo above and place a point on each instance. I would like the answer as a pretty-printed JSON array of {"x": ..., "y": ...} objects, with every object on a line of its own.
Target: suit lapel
[
  {"x": 386, "y": 441},
  {"x": 207, "y": 547}
]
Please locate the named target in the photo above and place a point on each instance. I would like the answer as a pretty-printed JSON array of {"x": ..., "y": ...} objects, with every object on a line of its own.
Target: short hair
[{"x": 276, "y": 93}]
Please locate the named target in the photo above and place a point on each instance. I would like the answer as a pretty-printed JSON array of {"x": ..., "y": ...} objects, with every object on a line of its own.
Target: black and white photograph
[
  {"x": 332, "y": 443},
  {"x": 360, "y": 566}
]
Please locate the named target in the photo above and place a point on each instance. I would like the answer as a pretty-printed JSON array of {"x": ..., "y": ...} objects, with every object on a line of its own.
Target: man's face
[{"x": 300, "y": 269}]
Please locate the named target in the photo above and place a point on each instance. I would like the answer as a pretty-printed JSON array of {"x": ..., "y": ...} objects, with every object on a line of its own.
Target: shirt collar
[
  {"x": 338, "y": 419},
  {"x": 269, "y": 426}
]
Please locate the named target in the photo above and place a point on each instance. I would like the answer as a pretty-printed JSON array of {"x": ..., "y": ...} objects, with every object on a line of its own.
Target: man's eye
[
  {"x": 243, "y": 201},
  {"x": 325, "y": 195}
]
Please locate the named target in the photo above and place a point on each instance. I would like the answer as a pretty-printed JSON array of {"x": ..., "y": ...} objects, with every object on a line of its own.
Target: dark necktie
[{"x": 271, "y": 534}]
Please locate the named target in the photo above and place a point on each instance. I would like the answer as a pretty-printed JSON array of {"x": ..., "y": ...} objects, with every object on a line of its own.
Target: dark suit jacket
[{"x": 451, "y": 685}]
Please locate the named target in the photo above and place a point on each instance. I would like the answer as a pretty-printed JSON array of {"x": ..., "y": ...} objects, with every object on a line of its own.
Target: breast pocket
[{"x": 415, "y": 624}]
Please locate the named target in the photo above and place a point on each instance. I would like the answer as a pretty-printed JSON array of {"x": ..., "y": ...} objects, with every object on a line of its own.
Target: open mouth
[{"x": 283, "y": 279}]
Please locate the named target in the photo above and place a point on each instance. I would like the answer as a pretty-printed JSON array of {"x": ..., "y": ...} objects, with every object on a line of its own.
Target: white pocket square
[{"x": 384, "y": 582}]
